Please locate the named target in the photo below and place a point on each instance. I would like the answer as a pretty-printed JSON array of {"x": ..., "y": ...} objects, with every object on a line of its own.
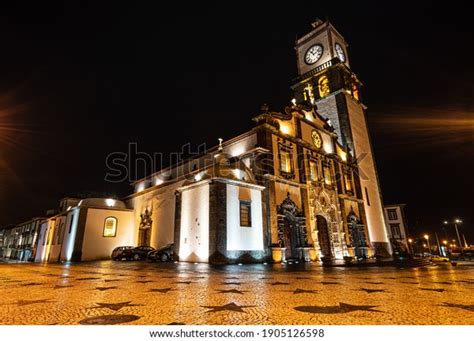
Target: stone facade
[{"x": 300, "y": 186}]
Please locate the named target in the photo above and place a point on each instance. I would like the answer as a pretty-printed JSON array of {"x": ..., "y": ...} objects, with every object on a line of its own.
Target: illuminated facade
[
  {"x": 338, "y": 100},
  {"x": 85, "y": 229},
  {"x": 300, "y": 186},
  {"x": 299, "y": 178}
]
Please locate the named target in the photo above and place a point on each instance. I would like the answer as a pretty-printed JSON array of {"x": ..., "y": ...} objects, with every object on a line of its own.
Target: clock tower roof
[{"x": 318, "y": 27}]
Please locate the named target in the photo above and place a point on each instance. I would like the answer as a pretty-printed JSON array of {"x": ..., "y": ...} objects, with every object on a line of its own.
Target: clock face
[
  {"x": 317, "y": 140},
  {"x": 340, "y": 53},
  {"x": 313, "y": 54}
]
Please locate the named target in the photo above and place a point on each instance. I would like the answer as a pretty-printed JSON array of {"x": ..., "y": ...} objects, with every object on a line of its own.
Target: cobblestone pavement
[{"x": 145, "y": 293}]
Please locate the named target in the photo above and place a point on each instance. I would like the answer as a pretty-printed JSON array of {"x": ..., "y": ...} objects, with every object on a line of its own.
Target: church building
[{"x": 301, "y": 185}]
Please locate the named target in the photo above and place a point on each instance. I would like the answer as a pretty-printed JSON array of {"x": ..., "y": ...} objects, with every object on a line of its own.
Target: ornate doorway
[
  {"x": 357, "y": 235},
  {"x": 291, "y": 229},
  {"x": 323, "y": 236},
  {"x": 144, "y": 230}
]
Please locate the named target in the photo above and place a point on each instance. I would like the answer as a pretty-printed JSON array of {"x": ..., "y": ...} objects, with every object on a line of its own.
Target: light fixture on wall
[{"x": 110, "y": 202}]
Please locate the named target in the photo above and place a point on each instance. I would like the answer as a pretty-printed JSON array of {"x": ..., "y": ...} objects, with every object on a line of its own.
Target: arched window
[{"x": 110, "y": 227}]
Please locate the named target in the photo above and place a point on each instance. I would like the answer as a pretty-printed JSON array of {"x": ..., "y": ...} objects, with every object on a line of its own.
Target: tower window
[
  {"x": 70, "y": 223},
  {"x": 110, "y": 227},
  {"x": 245, "y": 213},
  {"x": 367, "y": 196}
]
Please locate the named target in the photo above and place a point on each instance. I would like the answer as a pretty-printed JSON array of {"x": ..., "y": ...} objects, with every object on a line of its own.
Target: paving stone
[{"x": 313, "y": 295}]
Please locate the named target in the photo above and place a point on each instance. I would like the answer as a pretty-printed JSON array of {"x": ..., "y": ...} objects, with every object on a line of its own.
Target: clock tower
[{"x": 326, "y": 81}]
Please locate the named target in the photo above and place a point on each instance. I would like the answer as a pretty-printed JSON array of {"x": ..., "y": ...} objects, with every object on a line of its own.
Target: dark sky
[{"x": 79, "y": 81}]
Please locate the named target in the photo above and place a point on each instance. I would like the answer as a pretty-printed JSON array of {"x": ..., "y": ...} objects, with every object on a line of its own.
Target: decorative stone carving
[
  {"x": 291, "y": 226},
  {"x": 145, "y": 219},
  {"x": 324, "y": 202}
]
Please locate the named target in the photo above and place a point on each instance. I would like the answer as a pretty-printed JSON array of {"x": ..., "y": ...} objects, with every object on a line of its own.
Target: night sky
[{"x": 80, "y": 81}]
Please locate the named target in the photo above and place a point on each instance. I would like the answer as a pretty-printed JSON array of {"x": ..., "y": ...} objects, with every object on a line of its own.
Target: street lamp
[
  {"x": 410, "y": 247},
  {"x": 456, "y": 222},
  {"x": 428, "y": 242}
]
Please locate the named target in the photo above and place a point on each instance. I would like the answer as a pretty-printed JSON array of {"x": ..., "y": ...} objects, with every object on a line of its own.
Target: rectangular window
[
  {"x": 392, "y": 214},
  {"x": 285, "y": 161},
  {"x": 70, "y": 223},
  {"x": 367, "y": 196},
  {"x": 327, "y": 175},
  {"x": 348, "y": 181},
  {"x": 395, "y": 230},
  {"x": 110, "y": 227},
  {"x": 245, "y": 213},
  {"x": 313, "y": 170}
]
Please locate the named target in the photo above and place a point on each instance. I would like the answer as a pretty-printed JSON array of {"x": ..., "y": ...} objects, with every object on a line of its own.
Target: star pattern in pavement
[
  {"x": 231, "y": 291},
  {"x": 338, "y": 309},
  {"x": 115, "y": 306},
  {"x": 162, "y": 291},
  {"x": 303, "y": 291},
  {"x": 432, "y": 289},
  {"x": 280, "y": 283},
  {"x": 105, "y": 288},
  {"x": 29, "y": 284},
  {"x": 370, "y": 291},
  {"x": 468, "y": 307},
  {"x": 62, "y": 286},
  {"x": 227, "y": 307},
  {"x": 109, "y": 319},
  {"x": 28, "y": 302}
]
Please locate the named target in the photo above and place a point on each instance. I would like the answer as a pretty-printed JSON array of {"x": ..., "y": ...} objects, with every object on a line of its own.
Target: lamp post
[
  {"x": 410, "y": 247},
  {"x": 445, "y": 251},
  {"x": 456, "y": 222},
  {"x": 428, "y": 242}
]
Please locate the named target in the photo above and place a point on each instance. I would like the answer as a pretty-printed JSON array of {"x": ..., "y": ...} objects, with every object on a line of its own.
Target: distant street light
[
  {"x": 428, "y": 242},
  {"x": 410, "y": 247},
  {"x": 456, "y": 222}
]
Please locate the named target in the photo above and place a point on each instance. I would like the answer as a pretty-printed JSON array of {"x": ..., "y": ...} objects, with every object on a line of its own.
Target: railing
[{"x": 318, "y": 69}]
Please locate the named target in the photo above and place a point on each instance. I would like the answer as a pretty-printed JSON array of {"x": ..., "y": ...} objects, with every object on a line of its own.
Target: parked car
[
  {"x": 131, "y": 253},
  {"x": 439, "y": 259},
  {"x": 140, "y": 252},
  {"x": 121, "y": 252},
  {"x": 163, "y": 254}
]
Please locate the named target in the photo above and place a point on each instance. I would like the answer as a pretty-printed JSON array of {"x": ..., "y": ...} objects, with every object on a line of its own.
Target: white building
[
  {"x": 397, "y": 225},
  {"x": 87, "y": 231}
]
